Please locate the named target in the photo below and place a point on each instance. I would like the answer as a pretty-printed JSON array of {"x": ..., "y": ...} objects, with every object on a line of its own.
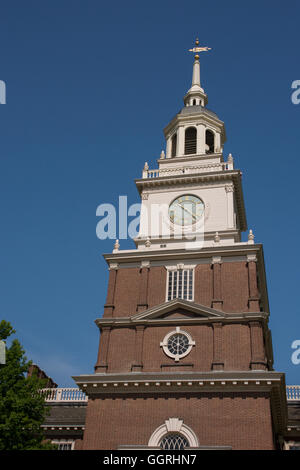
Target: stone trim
[
  {"x": 173, "y": 425},
  {"x": 164, "y": 344}
]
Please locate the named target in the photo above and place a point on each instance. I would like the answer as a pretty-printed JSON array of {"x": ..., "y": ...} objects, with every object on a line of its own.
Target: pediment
[{"x": 178, "y": 309}]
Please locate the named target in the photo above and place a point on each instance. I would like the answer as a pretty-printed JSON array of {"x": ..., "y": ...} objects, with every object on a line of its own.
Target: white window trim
[
  {"x": 173, "y": 425},
  {"x": 64, "y": 441},
  {"x": 164, "y": 344},
  {"x": 180, "y": 267}
]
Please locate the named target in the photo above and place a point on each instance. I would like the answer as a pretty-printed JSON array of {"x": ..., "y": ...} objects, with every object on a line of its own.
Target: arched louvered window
[
  {"x": 209, "y": 141},
  {"x": 173, "y": 434},
  {"x": 174, "y": 146},
  {"x": 190, "y": 144},
  {"x": 174, "y": 441}
]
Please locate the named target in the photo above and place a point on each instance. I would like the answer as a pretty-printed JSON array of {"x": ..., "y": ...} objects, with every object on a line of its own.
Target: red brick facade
[
  {"x": 233, "y": 288},
  {"x": 237, "y": 421},
  {"x": 231, "y": 342}
]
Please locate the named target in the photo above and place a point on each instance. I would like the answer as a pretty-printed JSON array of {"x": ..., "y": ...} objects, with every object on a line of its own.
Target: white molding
[
  {"x": 113, "y": 266},
  {"x": 251, "y": 258},
  {"x": 173, "y": 425},
  {"x": 164, "y": 344},
  {"x": 145, "y": 264},
  {"x": 216, "y": 260}
]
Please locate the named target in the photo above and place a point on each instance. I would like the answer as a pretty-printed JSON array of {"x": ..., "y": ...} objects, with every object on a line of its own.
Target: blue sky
[{"x": 90, "y": 87}]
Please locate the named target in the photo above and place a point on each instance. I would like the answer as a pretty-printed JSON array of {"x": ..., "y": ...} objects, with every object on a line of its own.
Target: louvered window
[
  {"x": 190, "y": 145},
  {"x": 180, "y": 284},
  {"x": 174, "y": 442}
]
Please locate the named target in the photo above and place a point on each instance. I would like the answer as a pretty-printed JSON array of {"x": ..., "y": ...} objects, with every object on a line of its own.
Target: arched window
[
  {"x": 173, "y": 441},
  {"x": 209, "y": 141},
  {"x": 173, "y": 434},
  {"x": 194, "y": 102},
  {"x": 190, "y": 144},
  {"x": 174, "y": 146}
]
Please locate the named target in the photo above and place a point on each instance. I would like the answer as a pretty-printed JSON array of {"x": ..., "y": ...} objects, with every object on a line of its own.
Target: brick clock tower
[{"x": 185, "y": 355}]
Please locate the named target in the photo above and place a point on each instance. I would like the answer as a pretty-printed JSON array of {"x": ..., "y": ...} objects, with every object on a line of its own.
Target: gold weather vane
[{"x": 199, "y": 49}]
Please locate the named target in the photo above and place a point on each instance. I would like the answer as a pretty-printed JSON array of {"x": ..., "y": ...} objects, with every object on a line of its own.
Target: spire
[{"x": 196, "y": 94}]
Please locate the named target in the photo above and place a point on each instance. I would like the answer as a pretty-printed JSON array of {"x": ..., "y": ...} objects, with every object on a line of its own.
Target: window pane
[{"x": 180, "y": 284}]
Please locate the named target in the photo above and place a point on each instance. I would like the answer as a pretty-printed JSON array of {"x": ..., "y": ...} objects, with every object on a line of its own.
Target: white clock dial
[{"x": 186, "y": 210}]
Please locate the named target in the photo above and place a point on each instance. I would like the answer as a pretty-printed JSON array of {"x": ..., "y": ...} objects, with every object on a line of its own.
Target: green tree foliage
[{"x": 22, "y": 407}]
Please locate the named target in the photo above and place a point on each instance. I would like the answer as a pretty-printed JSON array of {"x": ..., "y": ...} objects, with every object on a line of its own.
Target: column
[
  {"x": 218, "y": 360},
  {"x": 253, "y": 302},
  {"x": 101, "y": 365},
  {"x": 109, "y": 305},
  {"x": 168, "y": 148},
  {"x": 143, "y": 286},
  {"x": 137, "y": 366},
  {"x": 229, "y": 188},
  {"x": 217, "y": 301},
  {"x": 258, "y": 358},
  {"x": 217, "y": 142},
  {"x": 180, "y": 141},
  {"x": 200, "y": 139}
]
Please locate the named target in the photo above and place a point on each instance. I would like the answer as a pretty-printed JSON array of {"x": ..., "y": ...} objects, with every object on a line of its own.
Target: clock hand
[{"x": 189, "y": 212}]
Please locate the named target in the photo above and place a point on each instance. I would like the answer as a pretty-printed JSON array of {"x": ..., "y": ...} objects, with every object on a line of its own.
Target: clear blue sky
[{"x": 90, "y": 87}]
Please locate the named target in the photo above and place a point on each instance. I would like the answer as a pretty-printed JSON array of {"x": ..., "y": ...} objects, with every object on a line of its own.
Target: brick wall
[
  {"x": 126, "y": 285},
  {"x": 235, "y": 349},
  {"x": 237, "y": 420}
]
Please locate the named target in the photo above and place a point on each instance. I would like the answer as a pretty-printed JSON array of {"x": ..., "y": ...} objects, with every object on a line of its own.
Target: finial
[
  {"x": 250, "y": 238},
  {"x": 162, "y": 155},
  {"x": 199, "y": 49},
  {"x": 146, "y": 166},
  {"x": 230, "y": 158},
  {"x": 116, "y": 246},
  {"x": 148, "y": 243}
]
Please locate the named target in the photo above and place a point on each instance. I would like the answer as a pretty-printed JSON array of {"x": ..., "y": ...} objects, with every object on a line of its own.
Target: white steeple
[
  {"x": 196, "y": 95},
  {"x": 195, "y": 132},
  {"x": 192, "y": 171}
]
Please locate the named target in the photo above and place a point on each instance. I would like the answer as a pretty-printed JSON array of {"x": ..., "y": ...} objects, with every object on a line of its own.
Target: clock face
[{"x": 186, "y": 210}]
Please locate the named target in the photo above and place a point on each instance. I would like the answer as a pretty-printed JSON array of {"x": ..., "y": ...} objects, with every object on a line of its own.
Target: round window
[{"x": 177, "y": 344}]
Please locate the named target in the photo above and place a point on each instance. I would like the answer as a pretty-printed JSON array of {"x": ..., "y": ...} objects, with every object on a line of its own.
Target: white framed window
[
  {"x": 64, "y": 444},
  {"x": 177, "y": 344},
  {"x": 292, "y": 445},
  {"x": 180, "y": 284}
]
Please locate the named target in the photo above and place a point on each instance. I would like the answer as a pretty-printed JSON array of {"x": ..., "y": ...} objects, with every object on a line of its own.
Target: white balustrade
[
  {"x": 185, "y": 170},
  {"x": 293, "y": 392},
  {"x": 64, "y": 395},
  {"x": 76, "y": 395}
]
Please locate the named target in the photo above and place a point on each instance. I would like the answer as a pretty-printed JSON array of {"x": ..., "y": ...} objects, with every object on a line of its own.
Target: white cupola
[{"x": 195, "y": 130}]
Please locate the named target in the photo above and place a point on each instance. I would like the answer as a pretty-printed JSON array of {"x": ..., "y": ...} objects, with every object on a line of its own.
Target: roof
[{"x": 198, "y": 110}]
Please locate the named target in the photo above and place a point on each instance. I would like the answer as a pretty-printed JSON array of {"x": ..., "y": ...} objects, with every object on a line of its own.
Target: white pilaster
[
  {"x": 230, "y": 205},
  {"x": 168, "y": 148},
  {"x": 217, "y": 142},
  {"x": 180, "y": 141},
  {"x": 200, "y": 139}
]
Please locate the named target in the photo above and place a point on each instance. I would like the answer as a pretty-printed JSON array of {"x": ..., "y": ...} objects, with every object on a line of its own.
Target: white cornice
[
  {"x": 191, "y": 158},
  {"x": 225, "y": 318},
  {"x": 197, "y": 118},
  {"x": 177, "y": 254}
]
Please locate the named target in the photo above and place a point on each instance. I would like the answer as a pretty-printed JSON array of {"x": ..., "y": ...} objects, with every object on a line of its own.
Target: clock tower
[{"x": 185, "y": 354}]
